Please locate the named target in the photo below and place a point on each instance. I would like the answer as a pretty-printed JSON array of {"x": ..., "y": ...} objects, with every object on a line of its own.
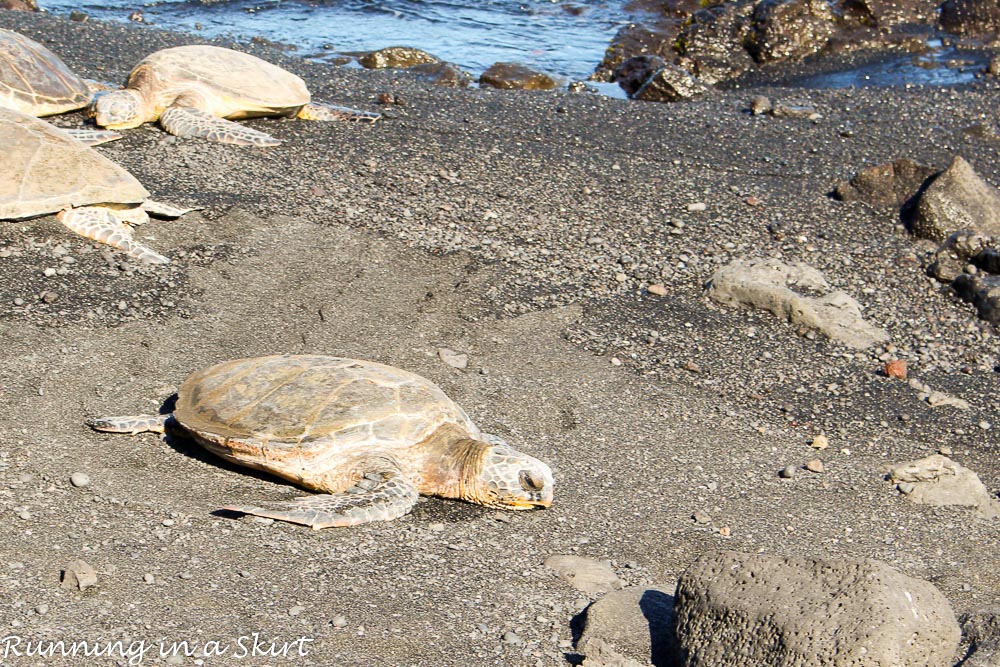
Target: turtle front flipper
[
  {"x": 382, "y": 494},
  {"x": 101, "y": 224},
  {"x": 91, "y": 137},
  {"x": 133, "y": 424},
  {"x": 191, "y": 122},
  {"x": 161, "y": 210},
  {"x": 320, "y": 111}
]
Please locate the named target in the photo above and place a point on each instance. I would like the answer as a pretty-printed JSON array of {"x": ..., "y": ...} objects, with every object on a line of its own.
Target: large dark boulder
[
  {"x": 789, "y": 29},
  {"x": 971, "y": 17}
]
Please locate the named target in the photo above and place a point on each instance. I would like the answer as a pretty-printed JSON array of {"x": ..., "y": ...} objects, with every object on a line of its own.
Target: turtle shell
[
  {"x": 313, "y": 403},
  {"x": 34, "y": 81},
  {"x": 46, "y": 170},
  {"x": 243, "y": 80}
]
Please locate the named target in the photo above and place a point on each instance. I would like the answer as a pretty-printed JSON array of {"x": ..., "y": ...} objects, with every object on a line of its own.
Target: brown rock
[
  {"x": 514, "y": 76},
  {"x": 442, "y": 74},
  {"x": 20, "y": 5},
  {"x": 789, "y": 29},
  {"x": 889, "y": 184},
  {"x": 895, "y": 369},
  {"x": 396, "y": 57},
  {"x": 78, "y": 575}
]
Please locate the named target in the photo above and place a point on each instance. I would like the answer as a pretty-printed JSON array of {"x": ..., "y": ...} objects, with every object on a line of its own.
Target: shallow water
[{"x": 564, "y": 38}]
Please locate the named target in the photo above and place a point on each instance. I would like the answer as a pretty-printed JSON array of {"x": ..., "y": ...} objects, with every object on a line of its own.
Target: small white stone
[{"x": 79, "y": 479}]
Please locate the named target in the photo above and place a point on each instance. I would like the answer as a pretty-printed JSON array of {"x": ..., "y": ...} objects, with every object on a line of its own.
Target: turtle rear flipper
[
  {"x": 101, "y": 224},
  {"x": 133, "y": 424},
  {"x": 328, "y": 112},
  {"x": 191, "y": 122},
  {"x": 382, "y": 494}
]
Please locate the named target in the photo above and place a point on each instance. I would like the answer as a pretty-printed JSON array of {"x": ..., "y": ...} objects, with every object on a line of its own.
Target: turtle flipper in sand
[
  {"x": 194, "y": 91},
  {"x": 47, "y": 171},
  {"x": 370, "y": 438},
  {"x": 381, "y": 493},
  {"x": 190, "y": 122}
]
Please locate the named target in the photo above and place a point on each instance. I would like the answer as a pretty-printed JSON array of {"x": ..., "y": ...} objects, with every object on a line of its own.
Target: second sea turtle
[{"x": 198, "y": 90}]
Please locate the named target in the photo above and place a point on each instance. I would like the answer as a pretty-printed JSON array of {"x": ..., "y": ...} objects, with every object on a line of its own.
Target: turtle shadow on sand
[{"x": 181, "y": 442}]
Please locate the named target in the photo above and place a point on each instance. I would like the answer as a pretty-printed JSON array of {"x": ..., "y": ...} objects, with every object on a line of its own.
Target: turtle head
[
  {"x": 118, "y": 110},
  {"x": 511, "y": 480}
]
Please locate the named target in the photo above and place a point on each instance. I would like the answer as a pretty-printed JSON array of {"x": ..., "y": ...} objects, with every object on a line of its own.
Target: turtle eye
[{"x": 531, "y": 481}]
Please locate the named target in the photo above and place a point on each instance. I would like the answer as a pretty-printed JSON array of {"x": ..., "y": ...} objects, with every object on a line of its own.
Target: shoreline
[{"x": 525, "y": 230}]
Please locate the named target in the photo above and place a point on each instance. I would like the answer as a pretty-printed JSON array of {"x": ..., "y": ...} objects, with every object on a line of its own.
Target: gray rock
[
  {"x": 981, "y": 291},
  {"x": 712, "y": 39},
  {"x": 584, "y": 574},
  {"x": 981, "y": 629},
  {"x": 789, "y": 29},
  {"x": 938, "y": 481},
  {"x": 957, "y": 199},
  {"x": 670, "y": 84},
  {"x": 889, "y": 184},
  {"x": 738, "y": 609},
  {"x": 970, "y": 17},
  {"x": 759, "y": 104},
  {"x": 78, "y": 575},
  {"x": 633, "y": 624},
  {"x": 767, "y": 284},
  {"x": 458, "y": 360}
]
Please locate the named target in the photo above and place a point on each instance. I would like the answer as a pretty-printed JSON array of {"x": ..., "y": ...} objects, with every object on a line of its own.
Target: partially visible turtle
[
  {"x": 192, "y": 90},
  {"x": 46, "y": 171},
  {"x": 36, "y": 82},
  {"x": 369, "y": 437}
]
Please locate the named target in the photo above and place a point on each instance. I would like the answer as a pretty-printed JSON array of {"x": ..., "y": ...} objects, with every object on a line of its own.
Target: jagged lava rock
[{"x": 736, "y": 609}]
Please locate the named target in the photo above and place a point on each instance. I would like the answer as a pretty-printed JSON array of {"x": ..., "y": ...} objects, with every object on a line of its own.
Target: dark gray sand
[{"x": 494, "y": 224}]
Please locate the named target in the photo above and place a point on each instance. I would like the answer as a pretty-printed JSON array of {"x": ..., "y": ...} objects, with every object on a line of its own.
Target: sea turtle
[
  {"x": 191, "y": 90},
  {"x": 369, "y": 437},
  {"x": 46, "y": 171},
  {"x": 34, "y": 81}
]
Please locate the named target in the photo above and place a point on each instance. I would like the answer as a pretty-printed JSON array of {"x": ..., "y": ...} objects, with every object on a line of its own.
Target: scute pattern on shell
[
  {"x": 34, "y": 81},
  {"x": 46, "y": 170},
  {"x": 234, "y": 75},
  {"x": 317, "y": 402}
]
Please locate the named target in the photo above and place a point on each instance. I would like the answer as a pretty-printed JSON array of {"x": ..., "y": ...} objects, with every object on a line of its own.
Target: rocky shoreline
[{"x": 562, "y": 242}]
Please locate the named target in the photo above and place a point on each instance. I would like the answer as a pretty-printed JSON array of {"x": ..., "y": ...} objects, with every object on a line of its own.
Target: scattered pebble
[
  {"x": 79, "y": 479},
  {"x": 149, "y": 578},
  {"x": 788, "y": 472},
  {"x": 511, "y": 637},
  {"x": 697, "y": 206},
  {"x": 820, "y": 442},
  {"x": 78, "y": 575},
  {"x": 815, "y": 465},
  {"x": 454, "y": 359},
  {"x": 296, "y": 610},
  {"x": 339, "y": 621},
  {"x": 895, "y": 369},
  {"x": 657, "y": 289}
]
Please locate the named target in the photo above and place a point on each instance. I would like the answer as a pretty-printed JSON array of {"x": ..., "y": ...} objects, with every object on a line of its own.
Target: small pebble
[
  {"x": 697, "y": 206},
  {"x": 657, "y": 289},
  {"x": 511, "y": 637},
  {"x": 725, "y": 531},
  {"x": 79, "y": 479},
  {"x": 296, "y": 610},
  {"x": 339, "y": 621},
  {"x": 787, "y": 472},
  {"x": 820, "y": 442},
  {"x": 49, "y": 272},
  {"x": 895, "y": 369},
  {"x": 42, "y": 609},
  {"x": 149, "y": 578},
  {"x": 701, "y": 517},
  {"x": 815, "y": 466},
  {"x": 168, "y": 522},
  {"x": 454, "y": 359}
]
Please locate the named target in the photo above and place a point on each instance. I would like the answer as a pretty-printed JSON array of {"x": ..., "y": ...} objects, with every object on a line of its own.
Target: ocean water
[{"x": 562, "y": 38}]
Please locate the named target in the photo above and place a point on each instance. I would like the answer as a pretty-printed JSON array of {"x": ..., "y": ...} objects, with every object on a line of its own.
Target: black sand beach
[{"x": 522, "y": 229}]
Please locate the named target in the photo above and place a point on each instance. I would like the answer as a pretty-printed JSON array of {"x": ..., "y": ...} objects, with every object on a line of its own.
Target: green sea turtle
[
  {"x": 192, "y": 90},
  {"x": 34, "y": 81},
  {"x": 369, "y": 437},
  {"x": 45, "y": 171}
]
